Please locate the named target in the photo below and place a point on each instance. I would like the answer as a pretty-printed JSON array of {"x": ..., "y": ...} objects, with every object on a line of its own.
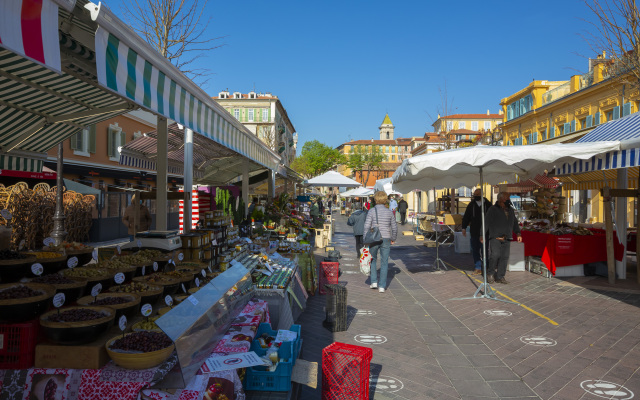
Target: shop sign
[{"x": 564, "y": 244}]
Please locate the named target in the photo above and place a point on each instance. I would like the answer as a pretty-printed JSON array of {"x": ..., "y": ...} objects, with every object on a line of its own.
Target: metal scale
[{"x": 160, "y": 240}]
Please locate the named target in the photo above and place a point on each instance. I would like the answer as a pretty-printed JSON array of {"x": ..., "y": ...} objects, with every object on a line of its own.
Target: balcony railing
[{"x": 556, "y": 93}]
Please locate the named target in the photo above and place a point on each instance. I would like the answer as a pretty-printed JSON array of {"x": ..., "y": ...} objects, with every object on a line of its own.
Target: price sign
[
  {"x": 119, "y": 278},
  {"x": 6, "y": 214},
  {"x": 139, "y": 243},
  {"x": 193, "y": 300},
  {"x": 94, "y": 254},
  {"x": 48, "y": 241},
  {"x": 72, "y": 262},
  {"x": 204, "y": 273},
  {"x": 122, "y": 322},
  {"x": 155, "y": 266},
  {"x": 184, "y": 289},
  {"x": 146, "y": 310},
  {"x": 118, "y": 249},
  {"x": 143, "y": 269},
  {"x": 180, "y": 257},
  {"x": 214, "y": 243},
  {"x": 210, "y": 270},
  {"x": 37, "y": 269},
  {"x": 21, "y": 245},
  {"x": 168, "y": 300},
  {"x": 58, "y": 300},
  {"x": 95, "y": 291},
  {"x": 197, "y": 280}
]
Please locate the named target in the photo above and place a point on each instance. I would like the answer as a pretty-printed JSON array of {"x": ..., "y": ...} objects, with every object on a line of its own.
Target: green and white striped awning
[
  {"x": 130, "y": 67},
  {"x": 17, "y": 163}
]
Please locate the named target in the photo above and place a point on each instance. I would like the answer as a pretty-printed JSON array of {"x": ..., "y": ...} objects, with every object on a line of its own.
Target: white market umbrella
[
  {"x": 473, "y": 165},
  {"x": 332, "y": 178},
  {"x": 385, "y": 185}
]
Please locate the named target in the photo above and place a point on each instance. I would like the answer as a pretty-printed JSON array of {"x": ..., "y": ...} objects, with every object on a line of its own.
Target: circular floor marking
[
  {"x": 540, "y": 341},
  {"x": 498, "y": 313},
  {"x": 607, "y": 390},
  {"x": 365, "y": 312},
  {"x": 370, "y": 339},
  {"x": 384, "y": 383}
]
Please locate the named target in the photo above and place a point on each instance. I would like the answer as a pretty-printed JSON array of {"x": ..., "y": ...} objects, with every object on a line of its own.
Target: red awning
[{"x": 27, "y": 174}]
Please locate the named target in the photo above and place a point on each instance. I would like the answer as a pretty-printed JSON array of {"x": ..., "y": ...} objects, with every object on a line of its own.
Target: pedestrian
[
  {"x": 402, "y": 209},
  {"x": 144, "y": 218},
  {"x": 501, "y": 223},
  {"x": 356, "y": 220},
  {"x": 383, "y": 218},
  {"x": 329, "y": 203},
  {"x": 393, "y": 204},
  {"x": 320, "y": 206},
  {"x": 252, "y": 206},
  {"x": 473, "y": 219},
  {"x": 367, "y": 205}
]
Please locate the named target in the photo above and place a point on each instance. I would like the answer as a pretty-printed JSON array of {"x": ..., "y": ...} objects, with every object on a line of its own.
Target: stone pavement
[{"x": 564, "y": 342}]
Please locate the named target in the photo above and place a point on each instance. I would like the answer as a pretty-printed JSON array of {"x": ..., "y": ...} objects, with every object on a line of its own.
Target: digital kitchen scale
[{"x": 161, "y": 240}]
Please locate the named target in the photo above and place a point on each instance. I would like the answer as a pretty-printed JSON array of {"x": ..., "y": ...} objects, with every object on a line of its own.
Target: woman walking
[{"x": 384, "y": 219}]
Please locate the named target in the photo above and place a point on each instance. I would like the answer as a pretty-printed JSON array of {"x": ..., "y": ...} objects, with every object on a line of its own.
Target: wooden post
[
  {"x": 136, "y": 211},
  {"x": 638, "y": 240},
  {"x": 611, "y": 260}
]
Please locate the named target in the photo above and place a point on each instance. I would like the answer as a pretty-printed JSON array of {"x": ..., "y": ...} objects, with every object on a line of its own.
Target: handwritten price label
[
  {"x": 119, "y": 278},
  {"x": 94, "y": 254},
  {"x": 139, "y": 243},
  {"x": 58, "y": 300},
  {"x": 122, "y": 322},
  {"x": 180, "y": 257},
  {"x": 168, "y": 300},
  {"x": 155, "y": 266},
  {"x": 146, "y": 310},
  {"x": 197, "y": 282},
  {"x": 204, "y": 273},
  {"x": 95, "y": 291},
  {"x": 37, "y": 269},
  {"x": 48, "y": 241},
  {"x": 72, "y": 262}
]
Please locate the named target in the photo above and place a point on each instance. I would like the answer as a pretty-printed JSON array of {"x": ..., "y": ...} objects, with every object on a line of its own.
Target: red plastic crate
[
  {"x": 329, "y": 272},
  {"x": 18, "y": 344},
  {"x": 345, "y": 372}
]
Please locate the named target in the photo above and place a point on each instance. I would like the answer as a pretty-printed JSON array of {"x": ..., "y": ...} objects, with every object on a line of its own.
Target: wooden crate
[
  {"x": 419, "y": 237},
  {"x": 407, "y": 233}
]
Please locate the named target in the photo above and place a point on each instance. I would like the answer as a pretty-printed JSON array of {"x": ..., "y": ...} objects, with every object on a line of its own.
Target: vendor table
[{"x": 564, "y": 250}]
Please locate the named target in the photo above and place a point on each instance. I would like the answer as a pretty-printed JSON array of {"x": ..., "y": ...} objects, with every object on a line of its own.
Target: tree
[
  {"x": 267, "y": 134},
  {"x": 363, "y": 159},
  {"x": 617, "y": 33},
  {"x": 356, "y": 160},
  {"x": 317, "y": 158},
  {"x": 175, "y": 29},
  {"x": 443, "y": 110},
  {"x": 374, "y": 157}
]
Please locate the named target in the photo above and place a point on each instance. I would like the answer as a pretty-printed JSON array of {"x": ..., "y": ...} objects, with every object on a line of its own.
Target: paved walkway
[{"x": 565, "y": 341}]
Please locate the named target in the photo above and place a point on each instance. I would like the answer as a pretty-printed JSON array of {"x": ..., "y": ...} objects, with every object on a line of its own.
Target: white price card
[
  {"x": 144, "y": 269},
  {"x": 204, "y": 273},
  {"x": 48, "y": 241},
  {"x": 184, "y": 289},
  {"x": 21, "y": 245},
  {"x": 155, "y": 266},
  {"x": 58, "y": 300},
  {"x": 94, "y": 254},
  {"x": 197, "y": 280},
  {"x": 193, "y": 300},
  {"x": 214, "y": 242},
  {"x": 210, "y": 270},
  {"x": 72, "y": 262},
  {"x": 118, "y": 249},
  {"x": 146, "y": 310},
  {"x": 122, "y": 322},
  {"x": 180, "y": 257},
  {"x": 119, "y": 278},
  {"x": 95, "y": 291},
  {"x": 37, "y": 269},
  {"x": 168, "y": 300}
]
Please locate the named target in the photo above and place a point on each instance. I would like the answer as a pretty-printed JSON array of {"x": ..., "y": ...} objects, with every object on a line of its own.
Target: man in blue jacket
[{"x": 356, "y": 220}]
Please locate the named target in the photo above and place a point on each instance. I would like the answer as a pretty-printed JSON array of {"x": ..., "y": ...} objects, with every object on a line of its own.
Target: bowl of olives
[
  {"x": 24, "y": 301},
  {"x": 15, "y": 266},
  {"x": 147, "y": 324},
  {"x": 123, "y": 303},
  {"x": 140, "y": 350},
  {"x": 76, "y": 325},
  {"x": 73, "y": 288},
  {"x": 52, "y": 261},
  {"x": 148, "y": 293},
  {"x": 169, "y": 284},
  {"x": 92, "y": 275}
]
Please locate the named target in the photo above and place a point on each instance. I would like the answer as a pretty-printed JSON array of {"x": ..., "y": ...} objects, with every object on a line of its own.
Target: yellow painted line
[{"x": 552, "y": 322}]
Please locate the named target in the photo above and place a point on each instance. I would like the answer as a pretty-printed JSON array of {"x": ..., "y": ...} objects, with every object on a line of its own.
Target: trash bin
[{"x": 336, "y": 308}]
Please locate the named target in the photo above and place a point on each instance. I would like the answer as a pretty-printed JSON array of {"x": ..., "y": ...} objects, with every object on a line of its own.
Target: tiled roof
[
  {"x": 464, "y": 132},
  {"x": 473, "y": 116},
  {"x": 379, "y": 141}
]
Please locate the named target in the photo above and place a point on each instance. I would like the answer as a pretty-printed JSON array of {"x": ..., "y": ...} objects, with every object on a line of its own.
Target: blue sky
[{"x": 339, "y": 66}]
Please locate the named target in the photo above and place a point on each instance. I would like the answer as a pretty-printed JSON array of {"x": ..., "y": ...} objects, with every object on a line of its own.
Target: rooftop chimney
[{"x": 488, "y": 112}]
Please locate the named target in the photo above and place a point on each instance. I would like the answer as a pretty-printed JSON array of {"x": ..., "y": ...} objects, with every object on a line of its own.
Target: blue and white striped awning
[{"x": 621, "y": 129}]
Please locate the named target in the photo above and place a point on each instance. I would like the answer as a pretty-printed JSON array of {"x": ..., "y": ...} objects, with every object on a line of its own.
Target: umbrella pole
[{"x": 487, "y": 291}]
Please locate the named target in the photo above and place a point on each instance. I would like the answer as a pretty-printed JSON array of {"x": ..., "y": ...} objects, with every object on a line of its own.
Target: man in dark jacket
[
  {"x": 356, "y": 220},
  {"x": 402, "y": 209},
  {"x": 501, "y": 223},
  {"x": 473, "y": 219}
]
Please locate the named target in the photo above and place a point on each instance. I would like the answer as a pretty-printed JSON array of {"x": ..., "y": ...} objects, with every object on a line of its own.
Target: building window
[
  {"x": 83, "y": 143},
  {"x": 115, "y": 140},
  {"x": 265, "y": 114},
  {"x": 474, "y": 126},
  {"x": 609, "y": 116},
  {"x": 387, "y": 134},
  {"x": 462, "y": 125},
  {"x": 236, "y": 113},
  {"x": 251, "y": 115},
  {"x": 487, "y": 125},
  {"x": 449, "y": 125},
  {"x": 393, "y": 158}
]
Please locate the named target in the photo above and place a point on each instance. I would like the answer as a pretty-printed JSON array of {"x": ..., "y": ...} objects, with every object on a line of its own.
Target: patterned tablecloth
[{"x": 113, "y": 382}]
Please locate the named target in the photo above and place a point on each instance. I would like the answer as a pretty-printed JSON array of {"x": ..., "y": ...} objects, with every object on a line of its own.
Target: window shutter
[
  {"x": 92, "y": 139},
  {"x": 597, "y": 118},
  {"x": 589, "y": 121},
  {"x": 573, "y": 125},
  {"x": 110, "y": 142},
  {"x": 566, "y": 129},
  {"x": 626, "y": 109},
  {"x": 123, "y": 140},
  {"x": 544, "y": 135},
  {"x": 616, "y": 112},
  {"x": 74, "y": 141},
  {"x": 552, "y": 134}
]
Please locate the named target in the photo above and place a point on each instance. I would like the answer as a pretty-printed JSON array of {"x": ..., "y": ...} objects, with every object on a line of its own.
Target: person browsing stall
[
  {"x": 402, "y": 209},
  {"x": 501, "y": 223},
  {"x": 356, "y": 220},
  {"x": 473, "y": 219},
  {"x": 383, "y": 218}
]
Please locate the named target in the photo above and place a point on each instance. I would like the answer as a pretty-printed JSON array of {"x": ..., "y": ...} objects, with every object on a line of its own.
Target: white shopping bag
[{"x": 365, "y": 260}]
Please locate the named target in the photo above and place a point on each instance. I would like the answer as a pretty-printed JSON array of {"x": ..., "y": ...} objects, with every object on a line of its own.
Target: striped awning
[
  {"x": 129, "y": 66},
  {"x": 18, "y": 163},
  {"x": 597, "y": 179},
  {"x": 620, "y": 129}
]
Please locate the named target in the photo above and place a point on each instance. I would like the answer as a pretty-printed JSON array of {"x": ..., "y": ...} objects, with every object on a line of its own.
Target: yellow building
[
  {"x": 546, "y": 112},
  {"x": 459, "y": 129}
]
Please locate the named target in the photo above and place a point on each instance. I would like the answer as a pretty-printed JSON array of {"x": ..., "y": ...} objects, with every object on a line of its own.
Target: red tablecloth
[{"x": 561, "y": 251}]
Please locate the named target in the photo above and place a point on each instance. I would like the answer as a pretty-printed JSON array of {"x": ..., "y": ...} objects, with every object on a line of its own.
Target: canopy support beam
[
  {"x": 58, "y": 234},
  {"x": 161, "y": 179},
  {"x": 188, "y": 180},
  {"x": 245, "y": 188}
]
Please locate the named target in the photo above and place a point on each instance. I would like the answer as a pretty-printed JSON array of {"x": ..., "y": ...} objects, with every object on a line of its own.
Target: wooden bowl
[
  {"x": 18, "y": 310},
  {"x": 72, "y": 291},
  {"x": 170, "y": 285},
  {"x": 84, "y": 255},
  {"x": 164, "y": 310},
  {"x": 129, "y": 272},
  {"x": 14, "y": 270},
  {"x": 129, "y": 309},
  {"x": 74, "y": 333},
  {"x": 137, "y": 327},
  {"x": 98, "y": 275},
  {"x": 50, "y": 265},
  {"x": 138, "y": 360},
  {"x": 150, "y": 296}
]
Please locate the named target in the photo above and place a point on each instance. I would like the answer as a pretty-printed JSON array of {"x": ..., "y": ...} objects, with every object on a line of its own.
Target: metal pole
[
  {"x": 161, "y": 178},
  {"x": 58, "y": 233},
  {"x": 245, "y": 188},
  {"x": 188, "y": 179}
]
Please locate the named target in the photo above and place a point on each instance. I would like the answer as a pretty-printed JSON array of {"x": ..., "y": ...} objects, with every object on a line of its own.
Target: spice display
[
  {"x": 115, "y": 263},
  {"x": 150, "y": 254},
  {"x": 159, "y": 278},
  {"x": 76, "y": 315},
  {"x": 148, "y": 324},
  {"x": 85, "y": 272},
  {"x": 143, "y": 341},
  {"x": 133, "y": 287},
  {"x": 134, "y": 259},
  {"x": 557, "y": 229},
  {"x": 18, "y": 292},
  {"x": 53, "y": 279},
  {"x": 111, "y": 301}
]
